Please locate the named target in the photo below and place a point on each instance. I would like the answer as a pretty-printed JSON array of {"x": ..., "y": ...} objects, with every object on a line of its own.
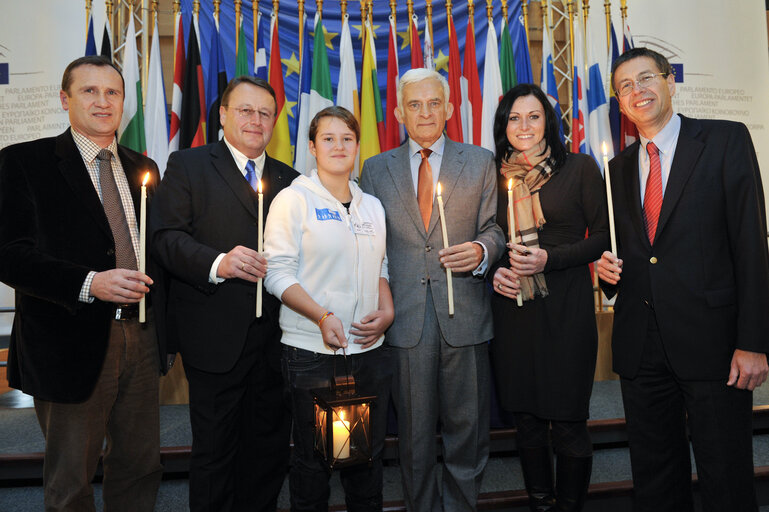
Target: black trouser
[{"x": 657, "y": 405}]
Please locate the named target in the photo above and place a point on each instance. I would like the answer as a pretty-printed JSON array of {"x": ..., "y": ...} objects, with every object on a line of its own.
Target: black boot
[
  {"x": 572, "y": 481},
  {"x": 537, "y": 464}
]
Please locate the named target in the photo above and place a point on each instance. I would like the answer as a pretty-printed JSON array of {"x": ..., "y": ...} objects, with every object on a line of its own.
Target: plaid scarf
[{"x": 529, "y": 170}]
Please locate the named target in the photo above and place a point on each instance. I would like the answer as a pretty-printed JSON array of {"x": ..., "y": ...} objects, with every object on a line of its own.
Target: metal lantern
[{"x": 342, "y": 424}]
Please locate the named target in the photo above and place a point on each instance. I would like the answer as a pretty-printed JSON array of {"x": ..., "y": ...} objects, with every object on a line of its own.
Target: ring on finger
[
  {"x": 243, "y": 266},
  {"x": 499, "y": 286}
]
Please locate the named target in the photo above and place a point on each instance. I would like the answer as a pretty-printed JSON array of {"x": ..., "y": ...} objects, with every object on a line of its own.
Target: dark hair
[
  {"x": 89, "y": 60},
  {"x": 552, "y": 133},
  {"x": 256, "y": 82},
  {"x": 662, "y": 63},
  {"x": 338, "y": 112}
]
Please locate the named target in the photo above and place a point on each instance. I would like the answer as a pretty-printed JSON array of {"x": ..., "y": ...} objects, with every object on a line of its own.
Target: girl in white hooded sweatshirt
[{"x": 325, "y": 244}]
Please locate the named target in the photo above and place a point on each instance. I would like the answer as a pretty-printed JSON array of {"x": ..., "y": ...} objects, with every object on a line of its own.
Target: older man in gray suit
[{"x": 441, "y": 361}]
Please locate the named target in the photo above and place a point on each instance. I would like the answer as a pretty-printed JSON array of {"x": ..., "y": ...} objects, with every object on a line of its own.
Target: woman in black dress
[{"x": 544, "y": 351}]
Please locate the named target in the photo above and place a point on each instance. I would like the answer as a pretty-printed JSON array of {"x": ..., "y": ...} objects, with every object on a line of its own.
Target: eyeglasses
[
  {"x": 248, "y": 113},
  {"x": 644, "y": 82}
]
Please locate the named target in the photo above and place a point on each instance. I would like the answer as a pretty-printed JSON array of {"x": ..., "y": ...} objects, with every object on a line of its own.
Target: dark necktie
[
  {"x": 125, "y": 257},
  {"x": 425, "y": 187},
  {"x": 653, "y": 195},
  {"x": 251, "y": 174}
]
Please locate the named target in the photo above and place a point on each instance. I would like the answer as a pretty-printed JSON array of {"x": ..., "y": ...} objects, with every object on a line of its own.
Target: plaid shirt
[{"x": 88, "y": 150}]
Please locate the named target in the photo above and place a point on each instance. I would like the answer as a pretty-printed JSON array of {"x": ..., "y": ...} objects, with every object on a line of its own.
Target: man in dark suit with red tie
[
  {"x": 691, "y": 325},
  {"x": 204, "y": 232},
  {"x": 69, "y": 240}
]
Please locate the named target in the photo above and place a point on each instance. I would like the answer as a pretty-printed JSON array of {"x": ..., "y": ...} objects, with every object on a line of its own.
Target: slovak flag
[{"x": 579, "y": 129}]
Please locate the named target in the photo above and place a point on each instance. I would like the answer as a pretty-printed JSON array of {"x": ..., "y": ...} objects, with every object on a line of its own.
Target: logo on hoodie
[{"x": 326, "y": 214}]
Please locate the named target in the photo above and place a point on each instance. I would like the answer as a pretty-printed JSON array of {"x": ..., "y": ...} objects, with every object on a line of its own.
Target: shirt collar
[
  {"x": 666, "y": 139},
  {"x": 89, "y": 149},
  {"x": 437, "y": 146},
  {"x": 241, "y": 159}
]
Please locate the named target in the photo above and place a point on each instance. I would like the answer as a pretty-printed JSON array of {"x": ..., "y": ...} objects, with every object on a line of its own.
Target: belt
[{"x": 126, "y": 312}]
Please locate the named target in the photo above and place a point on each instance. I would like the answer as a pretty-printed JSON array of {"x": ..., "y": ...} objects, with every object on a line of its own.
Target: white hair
[{"x": 417, "y": 75}]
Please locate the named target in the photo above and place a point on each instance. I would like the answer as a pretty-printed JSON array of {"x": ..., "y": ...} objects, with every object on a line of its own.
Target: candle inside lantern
[
  {"x": 449, "y": 283},
  {"x": 260, "y": 248},
  {"x": 609, "y": 200},
  {"x": 511, "y": 226},
  {"x": 143, "y": 244},
  {"x": 341, "y": 438}
]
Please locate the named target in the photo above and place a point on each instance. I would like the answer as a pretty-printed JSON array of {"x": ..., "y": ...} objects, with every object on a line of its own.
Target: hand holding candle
[
  {"x": 511, "y": 226},
  {"x": 446, "y": 246},
  {"x": 260, "y": 249},
  {"x": 143, "y": 244},
  {"x": 609, "y": 201}
]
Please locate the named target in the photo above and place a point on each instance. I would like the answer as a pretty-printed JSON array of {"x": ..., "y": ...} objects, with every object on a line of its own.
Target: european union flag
[
  {"x": 3, "y": 73},
  {"x": 678, "y": 72}
]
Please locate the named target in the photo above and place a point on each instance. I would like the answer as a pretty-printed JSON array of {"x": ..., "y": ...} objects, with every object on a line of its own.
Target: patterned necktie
[
  {"x": 425, "y": 187},
  {"x": 653, "y": 195},
  {"x": 125, "y": 257},
  {"x": 251, "y": 175}
]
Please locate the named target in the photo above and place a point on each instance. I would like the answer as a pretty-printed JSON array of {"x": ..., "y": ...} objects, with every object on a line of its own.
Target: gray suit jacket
[{"x": 468, "y": 180}]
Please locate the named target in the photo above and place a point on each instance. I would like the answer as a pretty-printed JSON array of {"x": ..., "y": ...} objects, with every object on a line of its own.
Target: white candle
[
  {"x": 446, "y": 246},
  {"x": 609, "y": 201},
  {"x": 342, "y": 439},
  {"x": 511, "y": 226},
  {"x": 260, "y": 248},
  {"x": 143, "y": 245}
]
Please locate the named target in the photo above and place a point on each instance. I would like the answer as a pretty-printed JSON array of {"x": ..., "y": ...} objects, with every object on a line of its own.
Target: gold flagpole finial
[
  {"x": 504, "y": 9},
  {"x": 319, "y": 7},
  {"x": 410, "y": 7},
  {"x": 238, "y": 5},
  {"x": 177, "y": 6},
  {"x": 623, "y": 10},
  {"x": 343, "y": 8},
  {"x": 302, "y": 35},
  {"x": 195, "y": 7},
  {"x": 88, "y": 14},
  {"x": 585, "y": 12},
  {"x": 255, "y": 22},
  {"x": 217, "y": 9},
  {"x": 489, "y": 10},
  {"x": 393, "y": 5},
  {"x": 275, "y": 6},
  {"x": 448, "y": 8},
  {"x": 370, "y": 12}
]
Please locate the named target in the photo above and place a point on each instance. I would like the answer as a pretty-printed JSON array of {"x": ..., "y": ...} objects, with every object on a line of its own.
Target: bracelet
[{"x": 325, "y": 315}]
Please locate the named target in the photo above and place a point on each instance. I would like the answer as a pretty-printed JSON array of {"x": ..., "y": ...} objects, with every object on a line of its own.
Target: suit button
[
  {"x": 428, "y": 248},
  {"x": 110, "y": 252},
  {"x": 423, "y": 280},
  {"x": 653, "y": 260}
]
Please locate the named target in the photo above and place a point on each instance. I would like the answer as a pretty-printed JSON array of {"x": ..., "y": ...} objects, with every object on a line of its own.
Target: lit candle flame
[
  {"x": 146, "y": 179},
  {"x": 510, "y": 184},
  {"x": 603, "y": 146},
  {"x": 259, "y": 186},
  {"x": 341, "y": 415},
  {"x": 439, "y": 188}
]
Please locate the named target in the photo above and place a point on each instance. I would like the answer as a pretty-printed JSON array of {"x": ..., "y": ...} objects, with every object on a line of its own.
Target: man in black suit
[
  {"x": 69, "y": 211},
  {"x": 691, "y": 325},
  {"x": 204, "y": 232}
]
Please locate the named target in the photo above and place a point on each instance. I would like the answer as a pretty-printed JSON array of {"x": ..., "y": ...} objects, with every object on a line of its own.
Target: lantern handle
[{"x": 343, "y": 385}]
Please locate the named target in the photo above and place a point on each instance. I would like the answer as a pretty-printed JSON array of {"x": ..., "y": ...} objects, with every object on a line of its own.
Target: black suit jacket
[
  {"x": 707, "y": 275},
  {"x": 204, "y": 208},
  {"x": 53, "y": 231}
]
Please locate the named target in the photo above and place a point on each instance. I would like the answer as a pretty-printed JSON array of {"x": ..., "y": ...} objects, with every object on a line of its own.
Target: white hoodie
[{"x": 338, "y": 258}]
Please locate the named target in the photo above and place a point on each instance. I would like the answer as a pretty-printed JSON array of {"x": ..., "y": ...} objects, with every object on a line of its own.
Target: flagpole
[
  {"x": 363, "y": 21},
  {"x": 489, "y": 11},
  {"x": 300, "y": 10},
  {"x": 429, "y": 11},
  {"x": 607, "y": 10},
  {"x": 88, "y": 16},
  {"x": 585, "y": 11},
  {"x": 238, "y": 4},
  {"x": 623, "y": 12},
  {"x": 370, "y": 13},
  {"x": 255, "y": 23},
  {"x": 471, "y": 14},
  {"x": 145, "y": 50},
  {"x": 545, "y": 23},
  {"x": 343, "y": 8},
  {"x": 525, "y": 10}
]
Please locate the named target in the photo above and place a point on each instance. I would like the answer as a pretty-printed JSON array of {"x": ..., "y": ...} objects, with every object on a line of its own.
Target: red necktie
[
  {"x": 653, "y": 195},
  {"x": 425, "y": 187}
]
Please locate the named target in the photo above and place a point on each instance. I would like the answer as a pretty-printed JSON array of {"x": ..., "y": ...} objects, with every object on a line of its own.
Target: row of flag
[{"x": 196, "y": 95}]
